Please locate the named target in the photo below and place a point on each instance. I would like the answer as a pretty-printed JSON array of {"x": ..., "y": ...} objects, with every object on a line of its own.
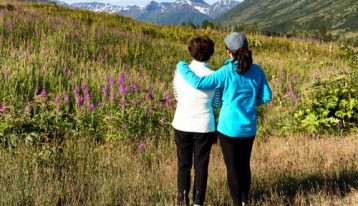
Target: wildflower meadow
[{"x": 86, "y": 105}]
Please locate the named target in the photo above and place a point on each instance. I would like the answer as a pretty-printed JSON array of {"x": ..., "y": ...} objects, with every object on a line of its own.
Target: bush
[{"x": 332, "y": 105}]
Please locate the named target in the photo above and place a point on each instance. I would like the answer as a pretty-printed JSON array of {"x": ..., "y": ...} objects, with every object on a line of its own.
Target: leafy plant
[{"x": 332, "y": 105}]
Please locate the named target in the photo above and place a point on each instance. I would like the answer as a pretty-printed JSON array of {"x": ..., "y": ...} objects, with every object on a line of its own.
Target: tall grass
[{"x": 292, "y": 171}]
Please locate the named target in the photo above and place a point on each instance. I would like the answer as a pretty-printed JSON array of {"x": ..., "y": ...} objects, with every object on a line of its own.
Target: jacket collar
[{"x": 199, "y": 64}]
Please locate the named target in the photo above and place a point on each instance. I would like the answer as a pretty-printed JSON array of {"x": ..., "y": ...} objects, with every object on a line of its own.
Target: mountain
[
  {"x": 178, "y": 12},
  {"x": 334, "y": 16},
  {"x": 221, "y": 7},
  {"x": 166, "y": 13},
  {"x": 130, "y": 11}
]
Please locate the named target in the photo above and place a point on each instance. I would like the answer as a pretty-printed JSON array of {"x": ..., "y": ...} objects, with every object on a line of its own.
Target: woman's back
[
  {"x": 240, "y": 91},
  {"x": 194, "y": 112}
]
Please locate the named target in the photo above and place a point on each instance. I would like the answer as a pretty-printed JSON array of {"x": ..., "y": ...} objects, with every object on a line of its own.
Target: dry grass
[{"x": 286, "y": 171}]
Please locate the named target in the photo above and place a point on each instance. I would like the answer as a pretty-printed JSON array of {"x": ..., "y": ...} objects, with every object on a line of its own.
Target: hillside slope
[
  {"x": 50, "y": 53},
  {"x": 337, "y": 17}
]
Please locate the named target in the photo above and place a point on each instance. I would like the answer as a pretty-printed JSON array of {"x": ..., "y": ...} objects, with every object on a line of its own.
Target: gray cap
[{"x": 235, "y": 41}]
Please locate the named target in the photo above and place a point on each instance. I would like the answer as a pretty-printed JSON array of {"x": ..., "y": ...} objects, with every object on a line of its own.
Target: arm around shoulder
[{"x": 206, "y": 82}]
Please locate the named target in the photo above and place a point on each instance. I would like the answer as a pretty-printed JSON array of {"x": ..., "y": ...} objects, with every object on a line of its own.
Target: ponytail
[{"x": 244, "y": 58}]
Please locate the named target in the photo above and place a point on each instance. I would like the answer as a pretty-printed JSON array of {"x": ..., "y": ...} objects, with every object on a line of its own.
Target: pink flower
[
  {"x": 123, "y": 102},
  {"x": 91, "y": 106},
  {"x": 65, "y": 97},
  {"x": 124, "y": 90},
  {"x": 76, "y": 90},
  {"x": 56, "y": 100},
  {"x": 87, "y": 96},
  {"x": 2, "y": 108},
  {"x": 105, "y": 90},
  {"x": 111, "y": 81},
  {"x": 149, "y": 95},
  {"x": 141, "y": 147},
  {"x": 121, "y": 78},
  {"x": 135, "y": 87},
  {"x": 84, "y": 87},
  {"x": 79, "y": 100},
  {"x": 43, "y": 93}
]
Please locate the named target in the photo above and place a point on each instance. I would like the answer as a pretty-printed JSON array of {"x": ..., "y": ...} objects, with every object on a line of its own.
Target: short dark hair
[{"x": 201, "y": 48}]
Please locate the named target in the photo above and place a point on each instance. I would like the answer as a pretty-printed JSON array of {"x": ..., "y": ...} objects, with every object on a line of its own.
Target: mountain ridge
[
  {"x": 180, "y": 11},
  {"x": 334, "y": 17}
]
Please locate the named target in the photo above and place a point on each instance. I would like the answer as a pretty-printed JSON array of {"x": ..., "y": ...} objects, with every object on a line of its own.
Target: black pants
[
  {"x": 237, "y": 153},
  {"x": 199, "y": 145}
]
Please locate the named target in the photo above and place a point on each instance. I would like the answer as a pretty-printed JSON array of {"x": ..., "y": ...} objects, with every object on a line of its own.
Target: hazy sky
[{"x": 127, "y": 2}]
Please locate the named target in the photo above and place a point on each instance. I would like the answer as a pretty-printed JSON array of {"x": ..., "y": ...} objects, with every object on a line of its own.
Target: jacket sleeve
[
  {"x": 175, "y": 86},
  {"x": 265, "y": 94},
  {"x": 212, "y": 81}
]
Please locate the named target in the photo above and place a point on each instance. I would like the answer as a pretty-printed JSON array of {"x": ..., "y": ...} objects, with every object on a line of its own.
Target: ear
[{"x": 230, "y": 54}]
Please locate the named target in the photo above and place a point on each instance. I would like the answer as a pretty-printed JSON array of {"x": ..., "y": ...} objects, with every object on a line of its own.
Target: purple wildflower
[
  {"x": 290, "y": 93},
  {"x": 76, "y": 90},
  {"x": 79, "y": 100},
  {"x": 124, "y": 90},
  {"x": 91, "y": 106},
  {"x": 105, "y": 90},
  {"x": 65, "y": 97},
  {"x": 141, "y": 147},
  {"x": 123, "y": 102},
  {"x": 150, "y": 110},
  {"x": 87, "y": 96},
  {"x": 149, "y": 95},
  {"x": 135, "y": 87},
  {"x": 121, "y": 78},
  {"x": 84, "y": 87},
  {"x": 111, "y": 81},
  {"x": 2, "y": 108},
  {"x": 43, "y": 93},
  {"x": 56, "y": 100}
]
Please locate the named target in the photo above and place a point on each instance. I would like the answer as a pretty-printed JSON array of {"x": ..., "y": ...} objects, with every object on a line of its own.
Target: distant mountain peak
[
  {"x": 154, "y": 6},
  {"x": 191, "y": 2},
  {"x": 177, "y": 12}
]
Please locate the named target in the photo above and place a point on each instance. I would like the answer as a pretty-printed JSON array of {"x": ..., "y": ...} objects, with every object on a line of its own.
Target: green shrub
[{"x": 332, "y": 105}]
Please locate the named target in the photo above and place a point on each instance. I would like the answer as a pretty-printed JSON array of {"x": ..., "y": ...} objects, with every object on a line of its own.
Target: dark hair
[
  {"x": 201, "y": 48},
  {"x": 244, "y": 57}
]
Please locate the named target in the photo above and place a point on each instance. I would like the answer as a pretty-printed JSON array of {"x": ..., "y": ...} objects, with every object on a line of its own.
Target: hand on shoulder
[{"x": 181, "y": 64}]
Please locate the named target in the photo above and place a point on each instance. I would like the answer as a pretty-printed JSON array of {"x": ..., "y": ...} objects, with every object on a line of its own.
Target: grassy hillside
[
  {"x": 80, "y": 91},
  {"x": 297, "y": 16}
]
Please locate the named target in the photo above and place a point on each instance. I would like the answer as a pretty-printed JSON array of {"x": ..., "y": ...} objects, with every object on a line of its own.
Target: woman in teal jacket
[{"x": 244, "y": 87}]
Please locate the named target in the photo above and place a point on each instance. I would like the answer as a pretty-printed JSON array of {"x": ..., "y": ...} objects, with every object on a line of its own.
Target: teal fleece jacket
[{"x": 241, "y": 95}]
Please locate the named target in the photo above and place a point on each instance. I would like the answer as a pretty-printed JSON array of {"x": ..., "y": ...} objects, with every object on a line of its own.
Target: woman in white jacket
[{"x": 194, "y": 124}]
